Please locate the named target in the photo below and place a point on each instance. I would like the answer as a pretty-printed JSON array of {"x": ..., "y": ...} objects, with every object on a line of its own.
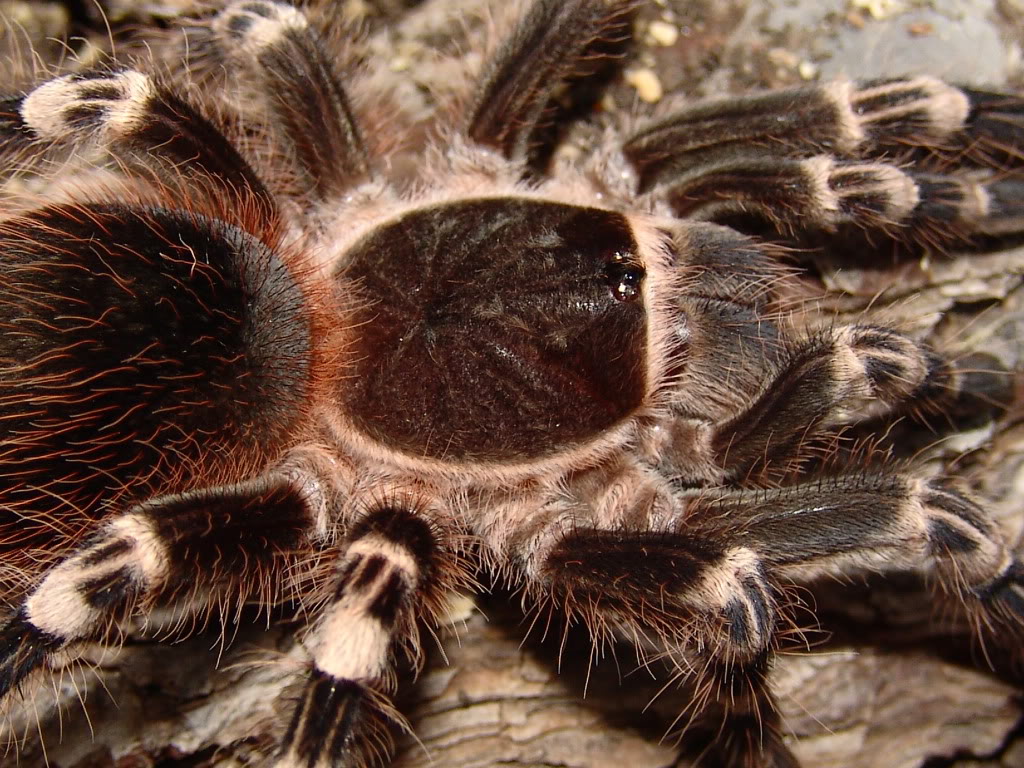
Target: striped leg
[
  {"x": 754, "y": 395},
  {"x": 205, "y": 549},
  {"x": 820, "y": 158},
  {"x": 846, "y": 120},
  {"x": 554, "y": 42},
  {"x": 841, "y": 376},
  {"x": 287, "y": 69},
  {"x": 140, "y": 121},
  {"x": 387, "y": 580},
  {"x": 702, "y": 575},
  {"x": 821, "y": 193}
]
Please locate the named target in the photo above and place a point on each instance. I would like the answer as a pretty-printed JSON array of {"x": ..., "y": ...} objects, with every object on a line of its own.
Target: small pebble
[
  {"x": 663, "y": 33},
  {"x": 647, "y": 84},
  {"x": 879, "y": 9},
  {"x": 807, "y": 70}
]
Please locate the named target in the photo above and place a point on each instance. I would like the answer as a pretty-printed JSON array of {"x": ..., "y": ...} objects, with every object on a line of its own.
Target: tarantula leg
[
  {"x": 685, "y": 591},
  {"x": 386, "y": 578},
  {"x": 899, "y": 114},
  {"x": 793, "y": 123},
  {"x": 292, "y": 71},
  {"x": 198, "y": 548},
  {"x": 750, "y": 393},
  {"x": 729, "y": 319},
  {"x": 554, "y": 42},
  {"x": 700, "y": 574},
  {"x": 842, "y": 374},
  {"x": 840, "y": 118},
  {"x": 749, "y": 731},
  {"x": 874, "y": 520},
  {"x": 820, "y": 193},
  {"x": 137, "y": 118}
]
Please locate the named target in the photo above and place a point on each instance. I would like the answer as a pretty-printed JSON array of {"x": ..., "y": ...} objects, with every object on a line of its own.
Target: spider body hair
[{"x": 332, "y": 388}]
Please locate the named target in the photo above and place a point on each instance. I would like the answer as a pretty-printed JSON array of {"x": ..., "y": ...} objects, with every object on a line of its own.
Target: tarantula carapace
[{"x": 354, "y": 386}]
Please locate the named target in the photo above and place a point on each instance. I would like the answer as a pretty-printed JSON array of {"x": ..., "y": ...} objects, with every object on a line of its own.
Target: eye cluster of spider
[{"x": 251, "y": 355}]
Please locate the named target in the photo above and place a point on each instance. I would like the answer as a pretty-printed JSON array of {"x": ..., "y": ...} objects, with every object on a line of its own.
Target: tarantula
[{"x": 353, "y": 385}]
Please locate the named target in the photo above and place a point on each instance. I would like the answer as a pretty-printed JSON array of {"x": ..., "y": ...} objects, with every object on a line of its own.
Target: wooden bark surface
[{"x": 889, "y": 683}]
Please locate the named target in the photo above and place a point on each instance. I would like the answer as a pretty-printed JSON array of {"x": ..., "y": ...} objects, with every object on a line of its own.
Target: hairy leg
[
  {"x": 139, "y": 121},
  {"x": 702, "y": 576},
  {"x": 390, "y": 576},
  {"x": 209, "y": 550},
  {"x": 554, "y": 42},
  {"x": 283, "y": 65},
  {"x": 752, "y": 393},
  {"x": 878, "y": 156}
]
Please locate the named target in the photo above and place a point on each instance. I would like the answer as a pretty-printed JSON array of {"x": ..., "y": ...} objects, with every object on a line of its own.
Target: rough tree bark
[{"x": 888, "y": 684}]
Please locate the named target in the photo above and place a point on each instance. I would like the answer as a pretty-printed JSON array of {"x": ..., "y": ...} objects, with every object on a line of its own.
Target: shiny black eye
[{"x": 623, "y": 276}]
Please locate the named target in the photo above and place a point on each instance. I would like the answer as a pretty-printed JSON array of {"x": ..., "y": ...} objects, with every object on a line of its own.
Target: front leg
[
  {"x": 832, "y": 155},
  {"x": 837, "y": 376},
  {"x": 704, "y": 575},
  {"x": 752, "y": 394}
]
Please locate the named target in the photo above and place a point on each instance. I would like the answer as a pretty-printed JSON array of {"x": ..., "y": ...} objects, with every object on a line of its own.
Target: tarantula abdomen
[{"x": 161, "y": 303}]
